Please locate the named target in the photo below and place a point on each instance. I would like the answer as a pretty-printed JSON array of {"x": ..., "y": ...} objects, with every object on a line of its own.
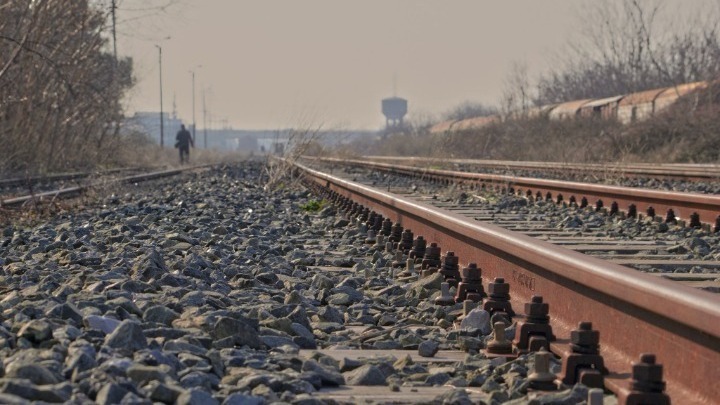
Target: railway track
[
  {"x": 635, "y": 313},
  {"x": 76, "y": 190},
  {"x": 12, "y": 187},
  {"x": 639, "y": 244},
  {"x": 679, "y": 171},
  {"x": 694, "y": 209}
]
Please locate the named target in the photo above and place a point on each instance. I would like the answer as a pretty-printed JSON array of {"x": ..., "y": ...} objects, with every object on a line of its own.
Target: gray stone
[
  {"x": 328, "y": 375},
  {"x": 110, "y": 393},
  {"x": 342, "y": 298},
  {"x": 277, "y": 341},
  {"x": 80, "y": 361},
  {"x": 9, "y": 399},
  {"x": 428, "y": 348},
  {"x": 37, "y": 330},
  {"x": 300, "y": 330},
  {"x": 477, "y": 319},
  {"x": 455, "y": 397},
  {"x": 65, "y": 311},
  {"x": 437, "y": 379},
  {"x": 142, "y": 374},
  {"x": 298, "y": 315},
  {"x": 125, "y": 304},
  {"x": 321, "y": 282},
  {"x": 365, "y": 375},
  {"x": 198, "y": 379},
  {"x": 183, "y": 346},
  {"x": 242, "y": 333},
  {"x": 431, "y": 282},
  {"x": 48, "y": 393},
  {"x": 293, "y": 298},
  {"x": 165, "y": 393},
  {"x": 36, "y": 373},
  {"x": 349, "y": 364},
  {"x": 470, "y": 343},
  {"x": 490, "y": 385},
  {"x": 151, "y": 266},
  {"x": 128, "y": 336},
  {"x": 160, "y": 314},
  {"x": 196, "y": 397},
  {"x": 102, "y": 323},
  {"x": 330, "y": 314}
]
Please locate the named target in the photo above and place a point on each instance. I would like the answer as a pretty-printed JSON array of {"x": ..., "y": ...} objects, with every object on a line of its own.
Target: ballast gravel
[{"x": 204, "y": 289}]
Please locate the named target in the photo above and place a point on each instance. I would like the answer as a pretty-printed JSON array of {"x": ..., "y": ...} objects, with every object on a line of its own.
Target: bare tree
[
  {"x": 469, "y": 109},
  {"x": 633, "y": 45},
  {"x": 518, "y": 92},
  {"x": 61, "y": 89}
]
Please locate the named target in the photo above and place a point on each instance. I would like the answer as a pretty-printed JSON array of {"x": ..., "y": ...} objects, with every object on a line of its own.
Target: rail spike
[
  {"x": 584, "y": 364},
  {"x": 535, "y": 332},
  {"x": 647, "y": 385}
]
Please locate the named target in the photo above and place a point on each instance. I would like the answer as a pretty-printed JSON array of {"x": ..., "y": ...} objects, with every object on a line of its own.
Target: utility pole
[
  {"x": 193, "y": 103},
  {"x": 204, "y": 119},
  {"x": 162, "y": 119},
  {"x": 113, "y": 7}
]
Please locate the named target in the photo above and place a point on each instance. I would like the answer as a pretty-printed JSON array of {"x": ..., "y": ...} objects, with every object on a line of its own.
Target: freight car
[{"x": 625, "y": 108}]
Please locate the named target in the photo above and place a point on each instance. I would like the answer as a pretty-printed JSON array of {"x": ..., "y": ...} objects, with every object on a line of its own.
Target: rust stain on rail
[{"x": 635, "y": 313}]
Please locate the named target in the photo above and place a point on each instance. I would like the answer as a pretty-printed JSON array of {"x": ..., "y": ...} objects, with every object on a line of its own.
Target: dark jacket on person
[{"x": 183, "y": 139}]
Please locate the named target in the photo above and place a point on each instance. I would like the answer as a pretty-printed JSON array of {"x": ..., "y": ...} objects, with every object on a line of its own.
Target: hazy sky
[{"x": 278, "y": 63}]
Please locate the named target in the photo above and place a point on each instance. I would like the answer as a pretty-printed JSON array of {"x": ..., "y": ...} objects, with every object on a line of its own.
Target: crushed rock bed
[{"x": 209, "y": 289}]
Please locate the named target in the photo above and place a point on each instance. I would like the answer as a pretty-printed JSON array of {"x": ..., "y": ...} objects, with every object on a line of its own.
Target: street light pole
[
  {"x": 162, "y": 119},
  {"x": 193, "y": 104},
  {"x": 204, "y": 119},
  {"x": 194, "y": 125}
]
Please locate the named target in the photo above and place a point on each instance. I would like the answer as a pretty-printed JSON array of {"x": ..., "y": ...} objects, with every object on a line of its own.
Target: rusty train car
[{"x": 627, "y": 108}]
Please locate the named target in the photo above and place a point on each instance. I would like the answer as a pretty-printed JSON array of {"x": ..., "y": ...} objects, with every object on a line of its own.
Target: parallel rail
[
  {"x": 70, "y": 192},
  {"x": 707, "y": 206},
  {"x": 20, "y": 181},
  {"x": 680, "y": 171},
  {"x": 635, "y": 313}
]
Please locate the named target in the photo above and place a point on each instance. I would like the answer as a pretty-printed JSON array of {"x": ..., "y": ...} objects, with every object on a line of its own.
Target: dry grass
[{"x": 280, "y": 168}]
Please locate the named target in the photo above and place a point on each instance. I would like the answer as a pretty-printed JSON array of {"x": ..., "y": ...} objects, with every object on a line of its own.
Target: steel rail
[
  {"x": 19, "y": 181},
  {"x": 707, "y": 206},
  {"x": 634, "y": 312},
  {"x": 69, "y": 192},
  {"x": 661, "y": 170}
]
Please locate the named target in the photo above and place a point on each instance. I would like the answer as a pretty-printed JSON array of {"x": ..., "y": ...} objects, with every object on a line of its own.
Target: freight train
[{"x": 626, "y": 108}]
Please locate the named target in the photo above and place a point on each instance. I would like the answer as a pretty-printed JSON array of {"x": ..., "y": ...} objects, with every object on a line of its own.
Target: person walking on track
[{"x": 184, "y": 141}]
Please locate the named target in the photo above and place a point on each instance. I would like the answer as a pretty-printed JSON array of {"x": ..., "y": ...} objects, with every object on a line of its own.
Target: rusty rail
[
  {"x": 69, "y": 192},
  {"x": 707, "y": 206},
  {"x": 667, "y": 171},
  {"x": 634, "y": 312},
  {"x": 19, "y": 181}
]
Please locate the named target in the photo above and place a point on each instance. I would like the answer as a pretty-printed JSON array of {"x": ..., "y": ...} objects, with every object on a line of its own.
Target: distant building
[{"x": 244, "y": 140}]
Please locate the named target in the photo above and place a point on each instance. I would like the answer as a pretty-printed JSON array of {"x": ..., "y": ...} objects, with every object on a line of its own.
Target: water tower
[{"x": 394, "y": 109}]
